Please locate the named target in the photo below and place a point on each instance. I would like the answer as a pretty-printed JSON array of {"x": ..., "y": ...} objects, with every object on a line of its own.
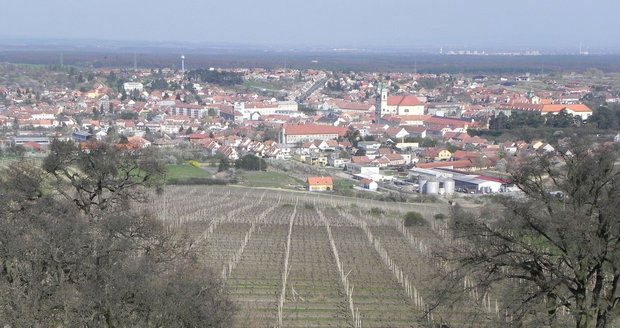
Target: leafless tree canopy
[
  {"x": 69, "y": 258},
  {"x": 553, "y": 256}
]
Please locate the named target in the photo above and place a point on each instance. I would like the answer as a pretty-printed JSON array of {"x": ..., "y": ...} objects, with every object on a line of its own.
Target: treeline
[
  {"x": 251, "y": 163},
  {"x": 528, "y": 126},
  {"x": 605, "y": 117},
  {"x": 521, "y": 119},
  {"x": 223, "y": 78}
]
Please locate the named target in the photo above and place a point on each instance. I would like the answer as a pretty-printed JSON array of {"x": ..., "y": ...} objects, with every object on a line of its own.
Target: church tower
[{"x": 384, "y": 103}]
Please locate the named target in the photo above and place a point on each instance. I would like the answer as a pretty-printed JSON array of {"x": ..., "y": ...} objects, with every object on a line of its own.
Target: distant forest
[
  {"x": 383, "y": 62},
  {"x": 220, "y": 78}
]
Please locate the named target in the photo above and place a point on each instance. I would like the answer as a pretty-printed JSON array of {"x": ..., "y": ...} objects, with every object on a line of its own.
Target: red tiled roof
[
  {"x": 414, "y": 128},
  {"x": 345, "y": 105},
  {"x": 581, "y": 108},
  {"x": 198, "y": 136},
  {"x": 547, "y": 108},
  {"x": 404, "y": 101},
  {"x": 32, "y": 145},
  {"x": 462, "y": 154},
  {"x": 448, "y": 121},
  {"x": 360, "y": 159},
  {"x": 489, "y": 178},
  {"x": 309, "y": 129},
  {"x": 455, "y": 164},
  {"x": 394, "y": 157},
  {"x": 313, "y": 181}
]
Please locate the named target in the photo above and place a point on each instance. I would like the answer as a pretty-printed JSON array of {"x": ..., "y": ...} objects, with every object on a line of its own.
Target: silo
[
  {"x": 432, "y": 187},
  {"x": 448, "y": 187},
  {"x": 421, "y": 184}
]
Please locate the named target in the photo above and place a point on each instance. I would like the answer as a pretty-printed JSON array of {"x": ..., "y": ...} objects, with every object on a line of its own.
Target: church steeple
[{"x": 384, "y": 97}]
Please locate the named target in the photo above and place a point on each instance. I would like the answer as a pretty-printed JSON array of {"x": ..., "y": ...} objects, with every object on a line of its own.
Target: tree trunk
[
  {"x": 581, "y": 308},
  {"x": 552, "y": 311}
]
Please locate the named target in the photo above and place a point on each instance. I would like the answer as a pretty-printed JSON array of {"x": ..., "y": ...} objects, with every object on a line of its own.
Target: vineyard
[{"x": 307, "y": 260}]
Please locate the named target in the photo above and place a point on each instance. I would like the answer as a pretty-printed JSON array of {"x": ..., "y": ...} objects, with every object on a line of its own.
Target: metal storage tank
[
  {"x": 432, "y": 187},
  {"x": 421, "y": 183},
  {"x": 448, "y": 187}
]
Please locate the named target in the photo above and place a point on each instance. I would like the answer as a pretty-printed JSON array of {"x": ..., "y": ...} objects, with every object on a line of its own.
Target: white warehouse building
[{"x": 131, "y": 86}]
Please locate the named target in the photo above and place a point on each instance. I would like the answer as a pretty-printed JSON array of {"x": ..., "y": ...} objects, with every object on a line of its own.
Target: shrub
[
  {"x": 251, "y": 163},
  {"x": 439, "y": 216},
  {"x": 414, "y": 219},
  {"x": 376, "y": 211}
]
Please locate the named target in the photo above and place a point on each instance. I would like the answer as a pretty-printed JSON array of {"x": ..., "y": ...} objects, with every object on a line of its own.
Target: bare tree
[
  {"x": 557, "y": 249},
  {"x": 80, "y": 260},
  {"x": 103, "y": 175}
]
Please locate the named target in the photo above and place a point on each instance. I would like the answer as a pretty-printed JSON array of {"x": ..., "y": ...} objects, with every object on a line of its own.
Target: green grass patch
[
  {"x": 185, "y": 172},
  {"x": 390, "y": 172},
  {"x": 259, "y": 84},
  {"x": 267, "y": 179},
  {"x": 344, "y": 184}
]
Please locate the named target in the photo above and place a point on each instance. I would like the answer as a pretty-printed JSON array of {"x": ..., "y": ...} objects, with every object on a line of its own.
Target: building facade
[
  {"x": 292, "y": 134},
  {"x": 320, "y": 184},
  {"x": 400, "y": 105}
]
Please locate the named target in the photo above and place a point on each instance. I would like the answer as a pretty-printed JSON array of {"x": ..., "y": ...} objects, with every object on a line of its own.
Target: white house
[{"x": 368, "y": 184}]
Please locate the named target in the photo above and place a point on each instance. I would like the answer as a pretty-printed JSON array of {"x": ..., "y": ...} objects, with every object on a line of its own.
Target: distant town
[{"x": 365, "y": 131}]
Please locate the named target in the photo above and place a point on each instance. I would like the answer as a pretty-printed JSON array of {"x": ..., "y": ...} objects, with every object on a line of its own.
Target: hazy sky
[{"x": 337, "y": 23}]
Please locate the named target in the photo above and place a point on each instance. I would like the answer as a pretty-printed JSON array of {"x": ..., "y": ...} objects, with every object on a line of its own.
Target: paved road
[{"x": 316, "y": 86}]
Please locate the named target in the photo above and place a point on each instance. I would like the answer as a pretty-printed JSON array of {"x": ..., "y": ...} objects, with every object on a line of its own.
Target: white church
[{"x": 400, "y": 105}]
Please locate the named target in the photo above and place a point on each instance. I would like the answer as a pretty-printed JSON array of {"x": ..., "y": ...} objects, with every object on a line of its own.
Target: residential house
[
  {"x": 381, "y": 162},
  {"x": 368, "y": 184},
  {"x": 436, "y": 154},
  {"x": 395, "y": 159},
  {"x": 371, "y": 147},
  {"x": 338, "y": 162},
  {"x": 228, "y": 152},
  {"x": 415, "y": 131},
  {"x": 320, "y": 184},
  {"x": 397, "y": 132},
  {"x": 364, "y": 160},
  {"x": 138, "y": 142}
]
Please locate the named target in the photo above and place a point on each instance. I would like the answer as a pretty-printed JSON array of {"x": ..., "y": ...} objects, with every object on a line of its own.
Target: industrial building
[
  {"x": 440, "y": 181},
  {"x": 478, "y": 183}
]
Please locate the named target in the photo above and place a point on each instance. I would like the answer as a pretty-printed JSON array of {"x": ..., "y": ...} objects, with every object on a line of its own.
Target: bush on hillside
[{"x": 413, "y": 219}]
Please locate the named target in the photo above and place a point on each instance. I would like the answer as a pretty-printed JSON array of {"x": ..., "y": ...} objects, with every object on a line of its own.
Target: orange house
[{"x": 320, "y": 184}]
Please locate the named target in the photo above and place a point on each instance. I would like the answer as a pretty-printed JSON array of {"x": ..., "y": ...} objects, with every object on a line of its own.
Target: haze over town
[{"x": 482, "y": 24}]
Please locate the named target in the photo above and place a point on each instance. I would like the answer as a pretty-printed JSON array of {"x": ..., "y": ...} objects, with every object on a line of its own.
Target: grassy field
[
  {"x": 185, "y": 172},
  {"x": 266, "y": 85},
  {"x": 7, "y": 160},
  {"x": 267, "y": 179},
  {"x": 344, "y": 184}
]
